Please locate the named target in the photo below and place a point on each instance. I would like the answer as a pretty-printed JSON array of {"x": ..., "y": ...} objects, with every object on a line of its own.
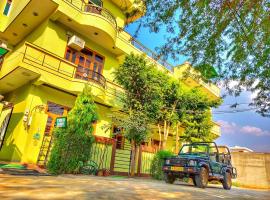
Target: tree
[
  {"x": 195, "y": 116},
  {"x": 171, "y": 101},
  {"x": 230, "y": 36},
  {"x": 72, "y": 144},
  {"x": 140, "y": 81}
]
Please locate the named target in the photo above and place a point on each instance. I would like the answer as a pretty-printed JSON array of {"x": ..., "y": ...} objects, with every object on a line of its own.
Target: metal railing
[
  {"x": 93, "y": 9},
  {"x": 151, "y": 53},
  {"x": 49, "y": 62}
]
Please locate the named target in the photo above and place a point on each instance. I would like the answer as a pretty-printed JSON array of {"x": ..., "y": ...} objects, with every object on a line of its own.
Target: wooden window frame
[{"x": 92, "y": 60}]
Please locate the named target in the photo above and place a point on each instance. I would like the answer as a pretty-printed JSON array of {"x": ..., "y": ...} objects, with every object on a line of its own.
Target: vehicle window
[{"x": 194, "y": 149}]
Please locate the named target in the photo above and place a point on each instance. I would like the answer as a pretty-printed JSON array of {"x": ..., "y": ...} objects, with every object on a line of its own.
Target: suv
[{"x": 203, "y": 162}]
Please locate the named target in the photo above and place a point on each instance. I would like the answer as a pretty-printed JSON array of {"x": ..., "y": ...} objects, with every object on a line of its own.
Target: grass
[{"x": 12, "y": 166}]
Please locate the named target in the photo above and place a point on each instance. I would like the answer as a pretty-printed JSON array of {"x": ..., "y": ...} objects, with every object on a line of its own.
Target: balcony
[
  {"x": 216, "y": 130},
  {"x": 191, "y": 78},
  {"x": 93, "y": 9},
  {"x": 44, "y": 67},
  {"x": 41, "y": 59},
  {"x": 93, "y": 22}
]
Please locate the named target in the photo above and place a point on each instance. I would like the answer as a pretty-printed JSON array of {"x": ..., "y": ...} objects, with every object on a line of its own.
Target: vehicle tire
[
  {"x": 227, "y": 181},
  {"x": 201, "y": 179},
  {"x": 169, "y": 178}
]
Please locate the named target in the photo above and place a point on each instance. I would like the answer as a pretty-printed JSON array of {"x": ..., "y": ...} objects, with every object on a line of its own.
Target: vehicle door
[{"x": 215, "y": 165}]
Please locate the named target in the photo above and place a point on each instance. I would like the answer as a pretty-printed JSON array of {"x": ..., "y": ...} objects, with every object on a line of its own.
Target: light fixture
[
  {"x": 35, "y": 14},
  {"x": 15, "y": 34},
  {"x": 95, "y": 33},
  {"x": 25, "y": 25}
]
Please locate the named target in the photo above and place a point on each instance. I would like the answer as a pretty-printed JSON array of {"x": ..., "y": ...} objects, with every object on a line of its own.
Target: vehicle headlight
[
  {"x": 192, "y": 162},
  {"x": 167, "y": 162}
]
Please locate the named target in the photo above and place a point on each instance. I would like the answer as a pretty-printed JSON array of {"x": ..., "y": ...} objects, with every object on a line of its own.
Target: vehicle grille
[{"x": 177, "y": 161}]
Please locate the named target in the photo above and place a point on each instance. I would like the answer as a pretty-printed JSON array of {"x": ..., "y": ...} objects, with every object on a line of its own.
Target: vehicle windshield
[{"x": 197, "y": 149}]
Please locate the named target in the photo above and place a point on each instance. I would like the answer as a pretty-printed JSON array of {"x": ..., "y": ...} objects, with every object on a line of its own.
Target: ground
[{"x": 91, "y": 187}]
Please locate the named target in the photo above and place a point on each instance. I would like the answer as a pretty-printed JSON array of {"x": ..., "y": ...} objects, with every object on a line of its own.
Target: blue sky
[{"x": 246, "y": 129}]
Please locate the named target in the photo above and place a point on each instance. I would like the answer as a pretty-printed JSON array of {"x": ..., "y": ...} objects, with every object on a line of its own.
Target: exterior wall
[
  {"x": 253, "y": 169},
  {"x": 19, "y": 144}
]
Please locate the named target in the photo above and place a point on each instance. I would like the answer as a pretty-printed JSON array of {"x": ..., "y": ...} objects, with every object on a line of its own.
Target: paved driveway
[{"x": 90, "y": 187}]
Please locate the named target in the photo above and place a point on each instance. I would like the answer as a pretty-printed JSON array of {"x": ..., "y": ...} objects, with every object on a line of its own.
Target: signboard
[{"x": 61, "y": 122}]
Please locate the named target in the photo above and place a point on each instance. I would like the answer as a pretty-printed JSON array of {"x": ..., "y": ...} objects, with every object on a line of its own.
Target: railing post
[
  {"x": 43, "y": 60},
  {"x": 113, "y": 157},
  {"x": 139, "y": 161},
  {"x": 24, "y": 52}
]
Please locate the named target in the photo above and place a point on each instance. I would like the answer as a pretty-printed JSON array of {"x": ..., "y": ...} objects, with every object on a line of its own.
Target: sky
[{"x": 247, "y": 129}]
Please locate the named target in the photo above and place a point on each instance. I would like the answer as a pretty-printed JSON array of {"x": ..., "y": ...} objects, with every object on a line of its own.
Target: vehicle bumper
[{"x": 180, "y": 170}]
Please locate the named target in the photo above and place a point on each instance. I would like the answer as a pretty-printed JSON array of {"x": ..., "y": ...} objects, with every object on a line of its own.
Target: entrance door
[
  {"x": 53, "y": 111},
  {"x": 5, "y": 116}
]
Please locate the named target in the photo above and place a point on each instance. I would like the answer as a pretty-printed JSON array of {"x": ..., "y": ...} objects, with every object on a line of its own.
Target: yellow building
[{"x": 54, "y": 48}]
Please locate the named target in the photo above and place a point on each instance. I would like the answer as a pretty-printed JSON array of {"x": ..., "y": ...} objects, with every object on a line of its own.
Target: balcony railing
[
  {"x": 92, "y": 9},
  {"x": 49, "y": 62},
  {"x": 151, "y": 53}
]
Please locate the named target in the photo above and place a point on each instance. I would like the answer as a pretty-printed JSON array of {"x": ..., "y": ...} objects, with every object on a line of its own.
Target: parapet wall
[{"x": 253, "y": 169}]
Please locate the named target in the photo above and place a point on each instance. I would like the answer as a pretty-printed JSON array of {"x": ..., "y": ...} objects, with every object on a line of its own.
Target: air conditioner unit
[{"x": 76, "y": 43}]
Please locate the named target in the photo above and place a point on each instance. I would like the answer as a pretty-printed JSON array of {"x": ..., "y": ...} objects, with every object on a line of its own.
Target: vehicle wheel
[
  {"x": 227, "y": 181},
  {"x": 169, "y": 178},
  {"x": 201, "y": 179}
]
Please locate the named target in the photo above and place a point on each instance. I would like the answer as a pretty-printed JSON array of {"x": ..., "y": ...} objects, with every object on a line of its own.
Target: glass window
[
  {"x": 99, "y": 58},
  {"x": 55, "y": 108},
  {"x": 7, "y": 7}
]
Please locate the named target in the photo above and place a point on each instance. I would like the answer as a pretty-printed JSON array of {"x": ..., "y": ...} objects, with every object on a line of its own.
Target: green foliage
[
  {"x": 196, "y": 117},
  {"x": 230, "y": 36},
  {"x": 142, "y": 84},
  {"x": 72, "y": 144},
  {"x": 136, "y": 127},
  {"x": 157, "y": 163},
  {"x": 155, "y": 97}
]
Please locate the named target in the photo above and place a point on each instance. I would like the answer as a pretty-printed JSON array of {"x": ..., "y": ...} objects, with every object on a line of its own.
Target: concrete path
[{"x": 90, "y": 187}]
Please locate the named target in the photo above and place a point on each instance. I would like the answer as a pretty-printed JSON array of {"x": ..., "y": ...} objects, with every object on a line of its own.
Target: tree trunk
[
  {"x": 164, "y": 135},
  {"x": 177, "y": 139},
  {"x": 159, "y": 133},
  {"x": 133, "y": 159}
]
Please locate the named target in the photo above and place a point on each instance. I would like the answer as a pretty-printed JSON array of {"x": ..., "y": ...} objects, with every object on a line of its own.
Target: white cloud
[
  {"x": 227, "y": 127},
  {"x": 233, "y": 128},
  {"x": 254, "y": 131}
]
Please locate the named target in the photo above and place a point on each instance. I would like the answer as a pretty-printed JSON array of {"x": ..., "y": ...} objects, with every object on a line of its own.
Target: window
[
  {"x": 7, "y": 7},
  {"x": 120, "y": 140},
  {"x": 90, "y": 64}
]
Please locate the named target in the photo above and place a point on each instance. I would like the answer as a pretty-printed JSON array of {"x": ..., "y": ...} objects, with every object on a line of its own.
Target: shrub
[
  {"x": 72, "y": 144},
  {"x": 157, "y": 163}
]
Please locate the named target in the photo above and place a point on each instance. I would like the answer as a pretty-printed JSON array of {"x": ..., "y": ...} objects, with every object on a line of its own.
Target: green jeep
[{"x": 203, "y": 162}]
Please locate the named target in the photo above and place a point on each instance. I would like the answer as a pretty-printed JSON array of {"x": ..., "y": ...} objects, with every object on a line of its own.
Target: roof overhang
[{"x": 16, "y": 78}]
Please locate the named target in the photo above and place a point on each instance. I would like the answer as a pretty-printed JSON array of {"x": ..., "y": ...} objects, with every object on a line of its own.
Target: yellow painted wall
[
  {"x": 16, "y": 134},
  {"x": 19, "y": 143}
]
